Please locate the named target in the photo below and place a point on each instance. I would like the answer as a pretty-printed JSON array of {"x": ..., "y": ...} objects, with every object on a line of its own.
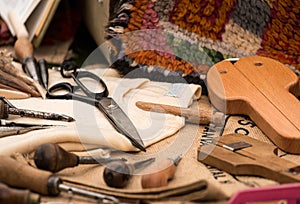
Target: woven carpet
[{"x": 188, "y": 36}]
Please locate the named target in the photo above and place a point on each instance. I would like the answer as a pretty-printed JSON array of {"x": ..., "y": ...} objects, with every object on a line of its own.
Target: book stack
[{"x": 35, "y": 15}]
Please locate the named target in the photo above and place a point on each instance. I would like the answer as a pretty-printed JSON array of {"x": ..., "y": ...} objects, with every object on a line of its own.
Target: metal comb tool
[{"x": 242, "y": 155}]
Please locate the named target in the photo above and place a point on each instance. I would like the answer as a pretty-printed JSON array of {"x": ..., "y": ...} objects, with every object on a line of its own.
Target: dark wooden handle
[
  {"x": 3, "y": 110},
  {"x": 16, "y": 174},
  {"x": 52, "y": 157},
  {"x": 10, "y": 195},
  {"x": 117, "y": 174}
]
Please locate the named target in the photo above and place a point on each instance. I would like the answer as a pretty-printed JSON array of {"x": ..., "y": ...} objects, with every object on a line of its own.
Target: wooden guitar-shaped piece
[
  {"x": 263, "y": 89},
  {"x": 256, "y": 159}
]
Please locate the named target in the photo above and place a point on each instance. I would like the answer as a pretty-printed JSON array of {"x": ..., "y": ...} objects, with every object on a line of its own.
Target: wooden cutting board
[
  {"x": 263, "y": 89},
  {"x": 242, "y": 155}
]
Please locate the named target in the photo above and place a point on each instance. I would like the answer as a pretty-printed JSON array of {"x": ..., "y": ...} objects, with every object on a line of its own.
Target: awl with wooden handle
[
  {"x": 17, "y": 174},
  {"x": 24, "y": 52},
  {"x": 160, "y": 178},
  {"x": 197, "y": 116},
  {"x": 52, "y": 157}
]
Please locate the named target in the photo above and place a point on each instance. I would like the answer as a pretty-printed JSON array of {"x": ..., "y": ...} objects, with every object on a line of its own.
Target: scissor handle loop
[
  {"x": 60, "y": 86},
  {"x": 85, "y": 74},
  {"x": 68, "y": 68}
]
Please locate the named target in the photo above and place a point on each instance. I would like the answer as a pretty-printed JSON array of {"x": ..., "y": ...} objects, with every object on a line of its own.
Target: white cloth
[{"x": 91, "y": 128}]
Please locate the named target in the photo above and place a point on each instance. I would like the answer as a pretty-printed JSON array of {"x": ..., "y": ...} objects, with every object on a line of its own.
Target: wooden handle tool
[
  {"x": 242, "y": 155},
  {"x": 10, "y": 195},
  {"x": 52, "y": 157},
  {"x": 117, "y": 174},
  {"x": 160, "y": 178},
  {"x": 197, "y": 116},
  {"x": 24, "y": 51},
  {"x": 17, "y": 174},
  {"x": 263, "y": 89}
]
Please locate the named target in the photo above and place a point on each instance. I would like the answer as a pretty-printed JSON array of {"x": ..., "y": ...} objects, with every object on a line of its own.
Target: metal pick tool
[{"x": 7, "y": 108}]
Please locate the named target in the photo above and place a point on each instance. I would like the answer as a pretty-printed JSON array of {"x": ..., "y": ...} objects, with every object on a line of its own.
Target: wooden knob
[
  {"x": 52, "y": 157},
  {"x": 23, "y": 48},
  {"x": 116, "y": 174},
  {"x": 159, "y": 178}
]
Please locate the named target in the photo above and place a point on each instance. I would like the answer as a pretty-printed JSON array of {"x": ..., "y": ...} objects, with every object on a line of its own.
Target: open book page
[
  {"x": 23, "y": 8},
  {"x": 38, "y": 18}
]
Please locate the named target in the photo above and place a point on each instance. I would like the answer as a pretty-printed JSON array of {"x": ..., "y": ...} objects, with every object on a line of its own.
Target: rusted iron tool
[
  {"x": 52, "y": 157},
  {"x": 17, "y": 174},
  {"x": 117, "y": 174},
  {"x": 11, "y": 195},
  {"x": 160, "y": 178},
  {"x": 7, "y": 108}
]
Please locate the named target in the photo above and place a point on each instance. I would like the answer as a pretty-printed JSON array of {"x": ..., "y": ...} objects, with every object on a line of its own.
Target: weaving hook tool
[{"x": 112, "y": 111}]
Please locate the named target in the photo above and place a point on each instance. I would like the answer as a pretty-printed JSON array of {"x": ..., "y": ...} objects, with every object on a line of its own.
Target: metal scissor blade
[{"x": 120, "y": 121}]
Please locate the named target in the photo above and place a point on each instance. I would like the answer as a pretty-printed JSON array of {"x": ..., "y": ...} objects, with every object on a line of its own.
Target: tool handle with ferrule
[
  {"x": 16, "y": 174},
  {"x": 52, "y": 157},
  {"x": 10, "y": 195},
  {"x": 159, "y": 178},
  {"x": 23, "y": 47}
]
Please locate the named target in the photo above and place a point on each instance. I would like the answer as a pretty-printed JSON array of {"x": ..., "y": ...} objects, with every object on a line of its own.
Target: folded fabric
[
  {"x": 91, "y": 127},
  {"x": 192, "y": 181}
]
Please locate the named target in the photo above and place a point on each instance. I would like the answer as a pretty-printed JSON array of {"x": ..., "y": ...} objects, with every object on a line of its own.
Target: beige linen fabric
[{"x": 91, "y": 127}]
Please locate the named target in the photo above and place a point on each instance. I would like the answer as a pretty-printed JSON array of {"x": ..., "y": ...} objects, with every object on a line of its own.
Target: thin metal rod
[{"x": 105, "y": 198}]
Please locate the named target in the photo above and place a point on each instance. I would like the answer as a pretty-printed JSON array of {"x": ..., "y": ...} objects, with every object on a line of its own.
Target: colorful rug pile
[{"x": 188, "y": 36}]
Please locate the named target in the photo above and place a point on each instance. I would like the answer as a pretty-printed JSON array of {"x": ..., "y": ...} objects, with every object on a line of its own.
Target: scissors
[{"x": 105, "y": 104}]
